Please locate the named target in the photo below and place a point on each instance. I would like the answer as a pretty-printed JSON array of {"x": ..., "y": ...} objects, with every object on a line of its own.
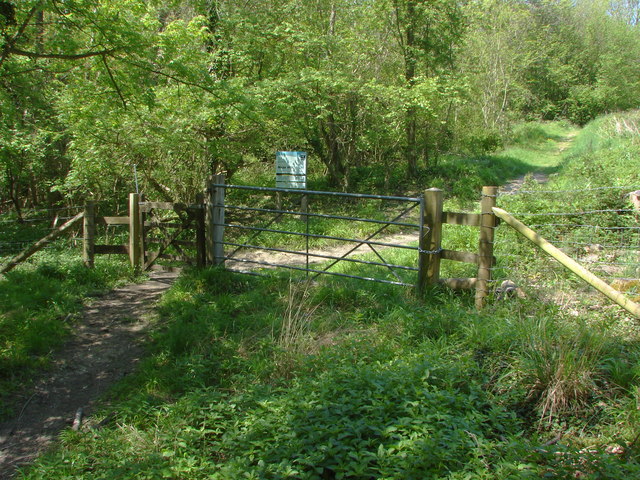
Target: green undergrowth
[
  {"x": 39, "y": 304},
  {"x": 328, "y": 377},
  {"x": 248, "y": 377},
  {"x": 534, "y": 148}
]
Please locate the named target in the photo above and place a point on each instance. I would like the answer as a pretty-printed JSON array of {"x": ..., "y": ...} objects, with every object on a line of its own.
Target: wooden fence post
[
  {"x": 143, "y": 231},
  {"x": 135, "y": 232},
  {"x": 201, "y": 244},
  {"x": 430, "y": 239},
  {"x": 215, "y": 221},
  {"x": 485, "y": 245},
  {"x": 89, "y": 234}
]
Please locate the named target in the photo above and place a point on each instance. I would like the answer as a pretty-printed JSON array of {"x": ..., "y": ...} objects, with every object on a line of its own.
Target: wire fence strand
[{"x": 598, "y": 227}]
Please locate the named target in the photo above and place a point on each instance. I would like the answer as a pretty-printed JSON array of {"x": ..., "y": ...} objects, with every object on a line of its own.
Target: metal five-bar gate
[
  {"x": 293, "y": 237},
  {"x": 399, "y": 242}
]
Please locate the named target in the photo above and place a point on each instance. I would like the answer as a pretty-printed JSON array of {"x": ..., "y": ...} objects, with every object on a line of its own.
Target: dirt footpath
[{"x": 106, "y": 347}]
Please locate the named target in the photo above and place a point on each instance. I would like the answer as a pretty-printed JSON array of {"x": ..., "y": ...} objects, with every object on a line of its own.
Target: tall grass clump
[
  {"x": 295, "y": 324},
  {"x": 561, "y": 371}
]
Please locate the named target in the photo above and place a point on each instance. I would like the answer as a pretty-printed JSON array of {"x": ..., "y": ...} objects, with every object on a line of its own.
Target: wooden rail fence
[
  {"x": 203, "y": 223},
  {"x": 431, "y": 252},
  {"x": 144, "y": 220}
]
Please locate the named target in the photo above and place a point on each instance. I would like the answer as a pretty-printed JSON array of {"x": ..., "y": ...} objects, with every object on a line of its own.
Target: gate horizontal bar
[
  {"x": 316, "y": 192},
  {"x": 321, "y": 215},
  {"x": 313, "y": 235},
  {"x": 317, "y": 255},
  {"x": 112, "y": 220},
  {"x": 322, "y": 272}
]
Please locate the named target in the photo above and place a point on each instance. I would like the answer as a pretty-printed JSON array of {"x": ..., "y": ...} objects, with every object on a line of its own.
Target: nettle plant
[{"x": 405, "y": 418}]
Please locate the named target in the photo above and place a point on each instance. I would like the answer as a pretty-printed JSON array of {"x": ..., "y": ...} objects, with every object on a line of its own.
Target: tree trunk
[
  {"x": 334, "y": 158},
  {"x": 410, "y": 76},
  {"x": 13, "y": 192}
]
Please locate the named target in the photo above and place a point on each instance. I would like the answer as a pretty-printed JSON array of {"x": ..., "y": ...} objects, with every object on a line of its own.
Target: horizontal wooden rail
[
  {"x": 457, "y": 218},
  {"x": 112, "y": 249},
  {"x": 113, "y": 220},
  {"x": 147, "y": 206},
  {"x": 465, "y": 257}
]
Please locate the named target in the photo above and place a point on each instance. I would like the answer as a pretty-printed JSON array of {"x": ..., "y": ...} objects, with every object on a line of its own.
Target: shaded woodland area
[{"x": 185, "y": 89}]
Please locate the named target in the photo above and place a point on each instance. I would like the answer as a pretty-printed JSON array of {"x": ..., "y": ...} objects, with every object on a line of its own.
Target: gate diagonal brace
[
  {"x": 378, "y": 231},
  {"x": 255, "y": 235},
  {"x": 385, "y": 262},
  {"x": 168, "y": 241}
]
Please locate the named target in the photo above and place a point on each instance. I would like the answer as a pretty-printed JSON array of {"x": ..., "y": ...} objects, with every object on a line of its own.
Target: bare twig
[{"x": 113, "y": 81}]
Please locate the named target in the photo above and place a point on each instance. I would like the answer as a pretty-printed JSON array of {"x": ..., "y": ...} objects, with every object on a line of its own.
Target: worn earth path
[{"x": 106, "y": 346}]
